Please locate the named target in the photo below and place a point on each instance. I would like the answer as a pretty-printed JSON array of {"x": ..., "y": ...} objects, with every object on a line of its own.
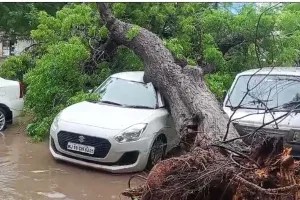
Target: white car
[
  {"x": 11, "y": 101},
  {"x": 127, "y": 130},
  {"x": 278, "y": 89}
]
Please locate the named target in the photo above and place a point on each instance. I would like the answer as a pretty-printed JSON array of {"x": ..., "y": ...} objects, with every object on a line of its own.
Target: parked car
[
  {"x": 278, "y": 89},
  {"x": 11, "y": 101},
  {"x": 127, "y": 130}
]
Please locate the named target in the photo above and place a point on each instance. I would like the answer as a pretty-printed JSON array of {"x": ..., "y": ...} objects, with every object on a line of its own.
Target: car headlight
[
  {"x": 133, "y": 133},
  {"x": 296, "y": 136},
  {"x": 55, "y": 122}
]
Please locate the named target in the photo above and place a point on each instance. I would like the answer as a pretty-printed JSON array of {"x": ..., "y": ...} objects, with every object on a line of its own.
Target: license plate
[{"x": 80, "y": 148}]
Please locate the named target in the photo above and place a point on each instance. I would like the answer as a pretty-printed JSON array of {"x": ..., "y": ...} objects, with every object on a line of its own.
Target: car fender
[{"x": 157, "y": 124}]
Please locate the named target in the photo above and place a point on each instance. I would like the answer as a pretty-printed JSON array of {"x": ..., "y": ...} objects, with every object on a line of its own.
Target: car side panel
[
  {"x": 161, "y": 122},
  {"x": 171, "y": 133},
  {"x": 2, "y": 91},
  {"x": 16, "y": 106},
  {"x": 9, "y": 96}
]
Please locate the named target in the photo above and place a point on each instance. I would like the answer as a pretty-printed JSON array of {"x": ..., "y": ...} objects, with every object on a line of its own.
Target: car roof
[
  {"x": 137, "y": 76},
  {"x": 294, "y": 71}
]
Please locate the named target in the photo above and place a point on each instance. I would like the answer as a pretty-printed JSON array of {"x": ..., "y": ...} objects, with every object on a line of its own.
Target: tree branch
[{"x": 106, "y": 14}]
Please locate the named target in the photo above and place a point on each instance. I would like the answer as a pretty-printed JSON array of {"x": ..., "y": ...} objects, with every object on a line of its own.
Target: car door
[{"x": 169, "y": 128}]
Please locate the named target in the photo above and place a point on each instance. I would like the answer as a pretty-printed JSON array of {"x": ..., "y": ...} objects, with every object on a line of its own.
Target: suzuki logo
[{"x": 81, "y": 139}]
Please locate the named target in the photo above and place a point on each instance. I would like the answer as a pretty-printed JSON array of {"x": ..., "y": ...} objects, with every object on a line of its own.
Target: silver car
[{"x": 274, "y": 89}]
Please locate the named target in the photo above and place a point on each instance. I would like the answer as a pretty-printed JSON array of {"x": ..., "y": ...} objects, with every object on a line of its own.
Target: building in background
[{"x": 9, "y": 48}]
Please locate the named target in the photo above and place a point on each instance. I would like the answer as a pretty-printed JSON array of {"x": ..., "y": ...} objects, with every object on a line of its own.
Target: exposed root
[
  {"x": 205, "y": 174},
  {"x": 276, "y": 191}
]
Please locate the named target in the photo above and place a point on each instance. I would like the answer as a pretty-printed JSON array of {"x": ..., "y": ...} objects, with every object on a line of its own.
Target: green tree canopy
[{"x": 18, "y": 19}]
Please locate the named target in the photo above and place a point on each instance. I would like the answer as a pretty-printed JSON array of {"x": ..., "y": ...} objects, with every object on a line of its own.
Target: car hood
[
  {"x": 104, "y": 115},
  {"x": 256, "y": 118}
]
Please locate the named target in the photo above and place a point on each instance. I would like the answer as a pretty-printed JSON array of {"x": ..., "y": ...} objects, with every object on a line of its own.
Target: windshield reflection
[
  {"x": 127, "y": 93},
  {"x": 274, "y": 91}
]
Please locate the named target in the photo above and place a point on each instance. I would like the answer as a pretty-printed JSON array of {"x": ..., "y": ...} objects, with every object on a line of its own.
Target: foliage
[
  {"x": 58, "y": 79},
  {"x": 133, "y": 32},
  {"x": 55, "y": 79},
  {"x": 72, "y": 20},
  {"x": 16, "y": 66},
  {"x": 82, "y": 96},
  {"x": 219, "y": 83},
  {"x": 40, "y": 126},
  {"x": 17, "y": 19},
  {"x": 201, "y": 33},
  {"x": 126, "y": 60},
  {"x": 95, "y": 79}
]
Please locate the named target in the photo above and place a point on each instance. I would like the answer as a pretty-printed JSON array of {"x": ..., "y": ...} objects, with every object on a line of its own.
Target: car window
[
  {"x": 274, "y": 90},
  {"x": 128, "y": 93}
]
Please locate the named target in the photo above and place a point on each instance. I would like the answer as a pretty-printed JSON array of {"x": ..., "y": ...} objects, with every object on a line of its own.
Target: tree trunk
[
  {"x": 191, "y": 102},
  {"x": 197, "y": 116}
]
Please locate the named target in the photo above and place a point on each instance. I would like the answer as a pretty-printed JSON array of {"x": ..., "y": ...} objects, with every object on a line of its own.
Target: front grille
[
  {"x": 102, "y": 146},
  {"x": 263, "y": 132},
  {"x": 127, "y": 158},
  {"x": 243, "y": 130}
]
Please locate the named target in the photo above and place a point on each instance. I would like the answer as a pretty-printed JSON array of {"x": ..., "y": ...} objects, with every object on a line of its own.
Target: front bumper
[
  {"x": 287, "y": 134},
  {"x": 121, "y": 158},
  {"x": 295, "y": 149}
]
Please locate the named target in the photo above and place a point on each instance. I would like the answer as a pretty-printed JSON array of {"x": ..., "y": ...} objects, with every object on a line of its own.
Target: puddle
[
  {"x": 28, "y": 171},
  {"x": 53, "y": 195}
]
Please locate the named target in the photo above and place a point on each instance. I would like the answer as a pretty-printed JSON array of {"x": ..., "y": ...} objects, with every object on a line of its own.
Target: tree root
[
  {"x": 276, "y": 191},
  {"x": 204, "y": 174}
]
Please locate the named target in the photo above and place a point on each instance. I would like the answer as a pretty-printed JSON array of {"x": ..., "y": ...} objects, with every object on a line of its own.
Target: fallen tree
[{"x": 214, "y": 167}]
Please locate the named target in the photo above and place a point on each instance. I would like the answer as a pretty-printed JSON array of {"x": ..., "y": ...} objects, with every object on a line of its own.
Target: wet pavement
[{"x": 27, "y": 171}]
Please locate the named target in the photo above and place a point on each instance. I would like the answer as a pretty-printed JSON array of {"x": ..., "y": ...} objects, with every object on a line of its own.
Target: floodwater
[{"x": 27, "y": 171}]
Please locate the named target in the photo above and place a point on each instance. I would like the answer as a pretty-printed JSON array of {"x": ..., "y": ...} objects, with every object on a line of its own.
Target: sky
[{"x": 236, "y": 7}]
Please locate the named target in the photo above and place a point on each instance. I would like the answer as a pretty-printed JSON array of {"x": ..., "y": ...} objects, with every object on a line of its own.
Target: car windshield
[
  {"x": 127, "y": 93},
  {"x": 274, "y": 91}
]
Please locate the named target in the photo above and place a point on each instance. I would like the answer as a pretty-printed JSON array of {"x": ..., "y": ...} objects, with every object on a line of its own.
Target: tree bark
[{"x": 205, "y": 172}]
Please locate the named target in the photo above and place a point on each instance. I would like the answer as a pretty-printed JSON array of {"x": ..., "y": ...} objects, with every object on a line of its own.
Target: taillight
[{"x": 21, "y": 89}]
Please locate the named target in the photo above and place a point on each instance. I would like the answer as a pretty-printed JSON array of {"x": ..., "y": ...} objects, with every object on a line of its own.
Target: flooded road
[{"x": 27, "y": 171}]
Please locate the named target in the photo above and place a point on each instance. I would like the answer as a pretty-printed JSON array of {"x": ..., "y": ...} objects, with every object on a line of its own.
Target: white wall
[{"x": 20, "y": 45}]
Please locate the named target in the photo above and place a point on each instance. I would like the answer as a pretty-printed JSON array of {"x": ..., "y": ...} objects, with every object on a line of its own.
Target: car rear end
[{"x": 11, "y": 98}]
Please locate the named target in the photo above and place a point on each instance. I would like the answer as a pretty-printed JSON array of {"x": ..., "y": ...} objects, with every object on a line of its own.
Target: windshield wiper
[
  {"x": 259, "y": 101},
  {"x": 291, "y": 104},
  {"x": 131, "y": 106},
  {"x": 111, "y": 102}
]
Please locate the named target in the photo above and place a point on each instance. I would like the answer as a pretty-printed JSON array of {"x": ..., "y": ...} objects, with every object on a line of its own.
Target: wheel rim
[
  {"x": 2, "y": 120},
  {"x": 157, "y": 151}
]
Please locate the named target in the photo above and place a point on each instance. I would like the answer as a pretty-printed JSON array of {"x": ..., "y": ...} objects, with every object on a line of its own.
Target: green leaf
[{"x": 133, "y": 32}]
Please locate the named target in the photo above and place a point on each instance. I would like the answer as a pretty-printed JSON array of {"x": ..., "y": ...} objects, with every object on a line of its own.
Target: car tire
[
  {"x": 3, "y": 117},
  {"x": 157, "y": 152}
]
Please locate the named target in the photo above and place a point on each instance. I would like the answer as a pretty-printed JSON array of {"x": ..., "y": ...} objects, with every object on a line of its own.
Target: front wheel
[
  {"x": 157, "y": 152},
  {"x": 3, "y": 122}
]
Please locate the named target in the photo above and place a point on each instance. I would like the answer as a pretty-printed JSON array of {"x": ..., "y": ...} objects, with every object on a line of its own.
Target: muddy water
[{"x": 27, "y": 171}]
